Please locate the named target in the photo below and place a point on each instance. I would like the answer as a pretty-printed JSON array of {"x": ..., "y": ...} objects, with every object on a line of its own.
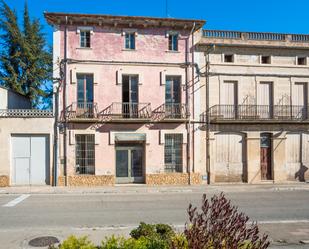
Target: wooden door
[
  {"x": 265, "y": 100},
  {"x": 265, "y": 157},
  {"x": 228, "y": 99},
  {"x": 299, "y": 100}
]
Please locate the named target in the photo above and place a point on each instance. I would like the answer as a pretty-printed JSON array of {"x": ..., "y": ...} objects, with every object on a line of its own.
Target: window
[
  {"x": 229, "y": 58},
  {"x": 265, "y": 59},
  {"x": 173, "y": 152},
  {"x": 130, "y": 40},
  {"x": 301, "y": 61},
  {"x": 85, "y": 154},
  {"x": 85, "y": 38},
  {"x": 173, "y": 42}
]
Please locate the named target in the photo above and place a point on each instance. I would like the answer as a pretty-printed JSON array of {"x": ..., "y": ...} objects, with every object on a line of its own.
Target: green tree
[{"x": 25, "y": 60}]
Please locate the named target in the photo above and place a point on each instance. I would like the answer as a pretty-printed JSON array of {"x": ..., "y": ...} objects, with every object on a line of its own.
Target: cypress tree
[{"x": 26, "y": 61}]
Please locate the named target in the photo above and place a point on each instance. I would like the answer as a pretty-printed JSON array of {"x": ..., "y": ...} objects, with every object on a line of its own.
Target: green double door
[{"x": 129, "y": 164}]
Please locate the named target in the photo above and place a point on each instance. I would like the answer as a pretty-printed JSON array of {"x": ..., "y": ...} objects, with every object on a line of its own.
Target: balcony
[
  {"x": 82, "y": 111},
  {"x": 254, "y": 38},
  {"x": 118, "y": 111},
  {"x": 257, "y": 113},
  {"x": 171, "y": 112}
]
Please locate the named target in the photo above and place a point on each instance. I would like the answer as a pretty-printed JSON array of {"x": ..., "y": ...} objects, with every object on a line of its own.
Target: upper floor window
[
  {"x": 229, "y": 58},
  {"x": 265, "y": 59},
  {"x": 301, "y": 61},
  {"x": 173, "y": 42},
  {"x": 130, "y": 40},
  {"x": 85, "y": 38}
]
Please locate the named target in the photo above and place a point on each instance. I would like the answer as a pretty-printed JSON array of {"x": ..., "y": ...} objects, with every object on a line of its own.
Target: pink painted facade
[{"x": 108, "y": 62}]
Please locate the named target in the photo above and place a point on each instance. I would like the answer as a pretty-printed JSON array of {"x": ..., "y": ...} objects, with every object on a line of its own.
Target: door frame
[{"x": 130, "y": 147}]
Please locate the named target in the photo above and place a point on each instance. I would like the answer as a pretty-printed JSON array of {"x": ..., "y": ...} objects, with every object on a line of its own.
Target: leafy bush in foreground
[{"x": 220, "y": 225}]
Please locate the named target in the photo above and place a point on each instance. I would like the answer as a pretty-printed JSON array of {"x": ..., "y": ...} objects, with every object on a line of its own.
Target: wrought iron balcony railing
[
  {"x": 82, "y": 111},
  {"x": 126, "y": 110},
  {"x": 257, "y": 112},
  {"x": 171, "y": 111}
]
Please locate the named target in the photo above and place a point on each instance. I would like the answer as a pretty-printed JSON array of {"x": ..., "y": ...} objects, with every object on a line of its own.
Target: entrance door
[
  {"x": 300, "y": 100},
  {"x": 130, "y": 96},
  {"x": 129, "y": 163},
  {"x": 265, "y": 100},
  {"x": 266, "y": 172}
]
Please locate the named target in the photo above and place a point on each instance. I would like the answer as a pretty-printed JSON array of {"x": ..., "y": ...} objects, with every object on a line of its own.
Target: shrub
[
  {"x": 220, "y": 225},
  {"x": 140, "y": 243},
  {"x": 160, "y": 231},
  {"x": 77, "y": 243},
  {"x": 179, "y": 241}
]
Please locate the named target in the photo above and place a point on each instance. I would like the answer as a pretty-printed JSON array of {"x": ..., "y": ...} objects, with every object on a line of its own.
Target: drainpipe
[
  {"x": 187, "y": 105},
  {"x": 193, "y": 113},
  {"x": 188, "y": 124},
  {"x": 55, "y": 147},
  {"x": 64, "y": 104},
  {"x": 207, "y": 121}
]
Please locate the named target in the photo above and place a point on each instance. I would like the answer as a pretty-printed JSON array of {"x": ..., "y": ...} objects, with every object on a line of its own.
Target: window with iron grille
[
  {"x": 85, "y": 38},
  {"x": 85, "y": 154},
  {"x": 173, "y": 42},
  {"x": 173, "y": 152}
]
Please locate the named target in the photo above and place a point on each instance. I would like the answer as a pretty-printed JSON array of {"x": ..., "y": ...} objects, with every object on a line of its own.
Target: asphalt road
[{"x": 284, "y": 215}]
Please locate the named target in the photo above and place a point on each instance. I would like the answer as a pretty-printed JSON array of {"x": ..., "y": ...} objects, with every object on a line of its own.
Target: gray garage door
[{"x": 30, "y": 155}]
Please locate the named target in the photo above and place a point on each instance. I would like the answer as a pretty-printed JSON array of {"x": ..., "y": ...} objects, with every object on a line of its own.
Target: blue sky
[{"x": 243, "y": 15}]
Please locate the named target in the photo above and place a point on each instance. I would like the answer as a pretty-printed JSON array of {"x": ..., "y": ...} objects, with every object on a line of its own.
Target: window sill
[
  {"x": 130, "y": 50},
  {"x": 172, "y": 51},
  {"x": 81, "y": 48}
]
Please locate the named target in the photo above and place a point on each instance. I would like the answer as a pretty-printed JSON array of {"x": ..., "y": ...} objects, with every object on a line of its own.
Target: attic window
[
  {"x": 173, "y": 42},
  {"x": 229, "y": 58},
  {"x": 265, "y": 59},
  {"x": 301, "y": 61},
  {"x": 85, "y": 38}
]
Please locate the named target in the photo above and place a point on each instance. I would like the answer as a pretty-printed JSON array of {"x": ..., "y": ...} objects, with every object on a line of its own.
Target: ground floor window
[
  {"x": 85, "y": 154},
  {"x": 173, "y": 152}
]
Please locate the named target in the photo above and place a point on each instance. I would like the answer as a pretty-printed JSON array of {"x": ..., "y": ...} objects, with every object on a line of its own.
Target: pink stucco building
[{"x": 125, "y": 99}]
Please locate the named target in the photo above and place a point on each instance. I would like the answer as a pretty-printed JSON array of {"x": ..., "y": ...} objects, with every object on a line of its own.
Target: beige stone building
[
  {"x": 256, "y": 118},
  {"x": 26, "y": 141}
]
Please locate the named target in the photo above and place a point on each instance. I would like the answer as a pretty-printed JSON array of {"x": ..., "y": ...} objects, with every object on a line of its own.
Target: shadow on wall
[{"x": 301, "y": 173}]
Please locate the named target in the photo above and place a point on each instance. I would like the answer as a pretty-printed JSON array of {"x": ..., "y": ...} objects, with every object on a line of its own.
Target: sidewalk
[{"x": 143, "y": 189}]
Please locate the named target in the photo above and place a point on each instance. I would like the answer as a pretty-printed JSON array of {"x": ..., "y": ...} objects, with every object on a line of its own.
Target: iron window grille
[
  {"x": 173, "y": 152},
  {"x": 173, "y": 42},
  {"x": 85, "y": 38},
  {"x": 85, "y": 154}
]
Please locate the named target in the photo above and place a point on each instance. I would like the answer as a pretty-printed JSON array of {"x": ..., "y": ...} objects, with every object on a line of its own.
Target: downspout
[
  {"x": 188, "y": 124},
  {"x": 64, "y": 105},
  {"x": 55, "y": 148},
  {"x": 207, "y": 121},
  {"x": 193, "y": 112}
]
